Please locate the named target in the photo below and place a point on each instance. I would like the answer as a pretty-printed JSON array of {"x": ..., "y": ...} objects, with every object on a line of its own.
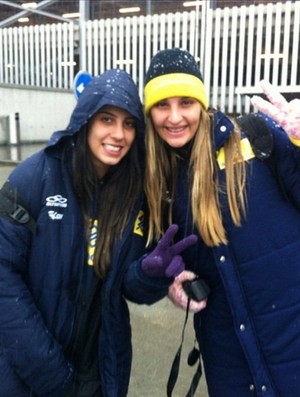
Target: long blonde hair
[{"x": 161, "y": 175}]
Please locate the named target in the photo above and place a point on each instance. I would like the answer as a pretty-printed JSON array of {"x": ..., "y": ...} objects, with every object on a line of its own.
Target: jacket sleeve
[
  {"x": 287, "y": 159},
  {"x": 142, "y": 289},
  {"x": 28, "y": 346}
]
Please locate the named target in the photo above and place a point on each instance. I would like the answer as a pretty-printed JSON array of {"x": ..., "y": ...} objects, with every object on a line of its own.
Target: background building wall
[{"x": 41, "y": 111}]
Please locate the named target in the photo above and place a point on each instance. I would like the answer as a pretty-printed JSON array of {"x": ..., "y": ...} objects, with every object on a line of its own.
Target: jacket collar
[{"x": 222, "y": 128}]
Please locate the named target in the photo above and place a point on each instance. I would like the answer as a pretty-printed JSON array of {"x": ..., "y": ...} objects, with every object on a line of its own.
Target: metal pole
[
  {"x": 84, "y": 11},
  {"x": 148, "y": 7}
]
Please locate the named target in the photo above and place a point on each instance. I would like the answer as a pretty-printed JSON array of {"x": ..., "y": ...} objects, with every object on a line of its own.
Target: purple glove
[{"x": 164, "y": 261}]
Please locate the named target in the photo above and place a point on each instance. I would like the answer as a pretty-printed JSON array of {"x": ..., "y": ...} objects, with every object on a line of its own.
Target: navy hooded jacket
[
  {"x": 41, "y": 273},
  {"x": 249, "y": 333}
]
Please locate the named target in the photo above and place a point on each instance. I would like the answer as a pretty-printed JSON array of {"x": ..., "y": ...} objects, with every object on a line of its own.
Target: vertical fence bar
[
  {"x": 102, "y": 44},
  {"x": 54, "y": 55},
  {"x": 224, "y": 57},
  {"x": 71, "y": 55},
  {"x": 232, "y": 59},
  {"x": 241, "y": 55},
  {"x": 5, "y": 56},
  {"x": 120, "y": 44},
  {"x": 95, "y": 41},
  {"x": 177, "y": 29},
  {"x": 277, "y": 50},
  {"x": 141, "y": 54},
  {"x": 31, "y": 55},
  {"x": 128, "y": 46},
  {"x": 21, "y": 54},
  {"x": 184, "y": 30},
  {"x": 66, "y": 61},
  {"x": 114, "y": 43},
  {"x": 155, "y": 24},
  {"x": 203, "y": 32},
  {"x": 36, "y": 59},
  {"x": 16, "y": 60},
  {"x": 295, "y": 61},
  {"x": 216, "y": 58},
  {"x": 10, "y": 64},
  {"x": 259, "y": 40},
  {"x": 192, "y": 36},
  {"x": 162, "y": 30},
  {"x": 134, "y": 54},
  {"x": 207, "y": 65},
  {"x": 88, "y": 46},
  {"x": 59, "y": 55},
  {"x": 43, "y": 55},
  {"x": 48, "y": 55},
  {"x": 108, "y": 46},
  {"x": 286, "y": 44},
  {"x": 169, "y": 30},
  {"x": 249, "y": 54},
  {"x": 26, "y": 56},
  {"x": 268, "y": 41}
]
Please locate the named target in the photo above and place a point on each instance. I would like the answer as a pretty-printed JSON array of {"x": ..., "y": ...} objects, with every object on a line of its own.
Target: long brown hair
[{"x": 160, "y": 181}]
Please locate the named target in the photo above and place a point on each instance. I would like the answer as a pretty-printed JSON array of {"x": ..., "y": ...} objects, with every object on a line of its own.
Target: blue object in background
[{"x": 81, "y": 80}]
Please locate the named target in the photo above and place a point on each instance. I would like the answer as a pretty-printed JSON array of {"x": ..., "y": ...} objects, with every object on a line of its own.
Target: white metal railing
[{"x": 236, "y": 47}]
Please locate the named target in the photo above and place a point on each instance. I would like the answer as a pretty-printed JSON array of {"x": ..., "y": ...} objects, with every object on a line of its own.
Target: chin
[{"x": 177, "y": 144}]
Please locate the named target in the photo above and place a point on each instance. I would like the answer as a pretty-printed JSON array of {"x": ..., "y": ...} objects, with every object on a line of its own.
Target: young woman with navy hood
[
  {"x": 72, "y": 248},
  {"x": 202, "y": 171}
]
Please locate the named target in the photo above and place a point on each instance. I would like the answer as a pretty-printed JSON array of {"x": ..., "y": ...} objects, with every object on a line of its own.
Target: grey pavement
[{"x": 156, "y": 335}]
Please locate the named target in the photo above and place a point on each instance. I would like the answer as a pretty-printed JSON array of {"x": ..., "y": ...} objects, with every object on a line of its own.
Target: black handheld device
[{"x": 196, "y": 289}]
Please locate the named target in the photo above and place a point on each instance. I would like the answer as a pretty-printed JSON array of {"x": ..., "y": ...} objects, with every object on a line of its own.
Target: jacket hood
[{"x": 114, "y": 87}]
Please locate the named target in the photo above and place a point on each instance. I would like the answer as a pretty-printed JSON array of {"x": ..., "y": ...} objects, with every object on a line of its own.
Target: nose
[
  {"x": 118, "y": 131},
  {"x": 174, "y": 115}
]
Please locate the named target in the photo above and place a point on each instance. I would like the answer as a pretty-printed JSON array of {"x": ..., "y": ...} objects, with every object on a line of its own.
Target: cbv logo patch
[
  {"x": 139, "y": 224},
  {"x": 56, "y": 201}
]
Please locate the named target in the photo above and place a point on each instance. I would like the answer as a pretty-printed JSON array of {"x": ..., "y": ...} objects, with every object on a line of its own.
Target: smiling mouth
[
  {"x": 175, "y": 130},
  {"x": 112, "y": 148}
]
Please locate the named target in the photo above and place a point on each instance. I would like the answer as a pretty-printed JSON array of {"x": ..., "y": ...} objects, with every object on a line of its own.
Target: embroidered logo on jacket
[
  {"x": 139, "y": 224},
  {"x": 55, "y": 215},
  {"x": 246, "y": 149},
  {"x": 56, "y": 201}
]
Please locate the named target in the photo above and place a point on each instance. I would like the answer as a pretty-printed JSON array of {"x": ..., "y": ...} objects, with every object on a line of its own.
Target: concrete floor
[{"x": 156, "y": 335}]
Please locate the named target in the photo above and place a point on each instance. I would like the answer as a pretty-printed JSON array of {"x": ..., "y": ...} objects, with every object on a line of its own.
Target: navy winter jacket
[
  {"x": 41, "y": 274},
  {"x": 249, "y": 333}
]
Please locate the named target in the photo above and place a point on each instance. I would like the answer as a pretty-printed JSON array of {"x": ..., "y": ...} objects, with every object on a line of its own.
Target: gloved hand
[
  {"x": 286, "y": 114},
  {"x": 178, "y": 296},
  {"x": 164, "y": 261}
]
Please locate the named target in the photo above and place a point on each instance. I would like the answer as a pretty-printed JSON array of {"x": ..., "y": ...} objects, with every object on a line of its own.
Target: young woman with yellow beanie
[{"x": 203, "y": 174}]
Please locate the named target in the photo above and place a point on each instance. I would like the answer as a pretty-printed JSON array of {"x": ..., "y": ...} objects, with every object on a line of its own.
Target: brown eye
[{"x": 130, "y": 124}]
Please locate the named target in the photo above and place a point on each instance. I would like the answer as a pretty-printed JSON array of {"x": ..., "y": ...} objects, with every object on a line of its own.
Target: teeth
[
  {"x": 176, "y": 129},
  {"x": 113, "y": 148}
]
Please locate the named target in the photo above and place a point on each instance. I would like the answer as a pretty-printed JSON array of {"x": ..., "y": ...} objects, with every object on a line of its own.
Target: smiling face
[
  {"x": 111, "y": 133},
  {"x": 176, "y": 120}
]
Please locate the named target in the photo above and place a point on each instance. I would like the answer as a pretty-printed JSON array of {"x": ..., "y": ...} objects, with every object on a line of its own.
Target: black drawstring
[{"x": 193, "y": 357}]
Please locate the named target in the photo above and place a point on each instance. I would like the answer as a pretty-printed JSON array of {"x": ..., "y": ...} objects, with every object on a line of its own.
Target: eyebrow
[{"x": 107, "y": 112}]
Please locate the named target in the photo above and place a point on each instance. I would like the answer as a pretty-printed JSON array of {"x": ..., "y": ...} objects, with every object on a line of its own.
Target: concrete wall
[{"x": 41, "y": 111}]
